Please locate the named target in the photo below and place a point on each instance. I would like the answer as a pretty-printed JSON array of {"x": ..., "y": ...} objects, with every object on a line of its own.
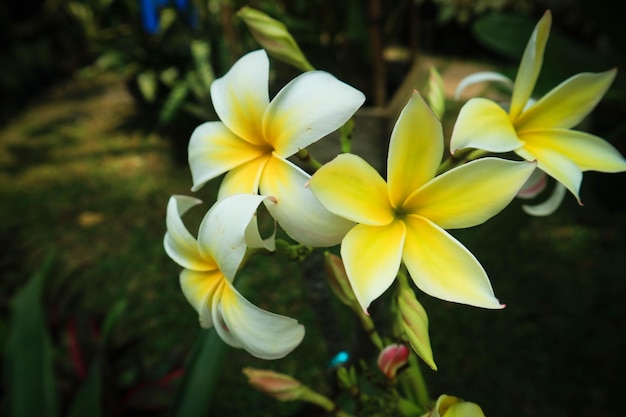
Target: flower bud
[
  {"x": 414, "y": 324},
  {"x": 449, "y": 406},
  {"x": 392, "y": 358},
  {"x": 338, "y": 279},
  {"x": 435, "y": 93},
  {"x": 274, "y": 38},
  {"x": 280, "y": 386}
]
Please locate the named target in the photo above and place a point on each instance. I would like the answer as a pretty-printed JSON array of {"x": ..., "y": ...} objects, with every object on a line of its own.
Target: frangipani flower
[
  {"x": 449, "y": 406},
  {"x": 255, "y": 137},
  {"x": 404, "y": 219},
  {"x": 210, "y": 264},
  {"x": 542, "y": 130}
]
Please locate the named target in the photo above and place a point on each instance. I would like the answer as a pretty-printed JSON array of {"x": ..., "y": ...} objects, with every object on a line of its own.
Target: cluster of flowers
[{"x": 380, "y": 224}]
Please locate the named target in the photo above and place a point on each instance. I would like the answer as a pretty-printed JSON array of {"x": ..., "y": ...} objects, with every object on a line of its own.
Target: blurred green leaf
[
  {"x": 86, "y": 402},
  {"x": 148, "y": 85},
  {"x": 201, "y": 53},
  {"x": 113, "y": 316},
  {"x": 28, "y": 374},
  {"x": 196, "y": 390},
  {"x": 173, "y": 102}
]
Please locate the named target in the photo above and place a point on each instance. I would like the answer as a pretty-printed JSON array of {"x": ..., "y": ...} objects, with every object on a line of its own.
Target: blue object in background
[
  {"x": 150, "y": 13},
  {"x": 339, "y": 359}
]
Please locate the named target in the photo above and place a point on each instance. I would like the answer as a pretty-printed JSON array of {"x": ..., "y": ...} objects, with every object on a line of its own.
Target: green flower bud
[
  {"x": 274, "y": 38},
  {"x": 414, "y": 324}
]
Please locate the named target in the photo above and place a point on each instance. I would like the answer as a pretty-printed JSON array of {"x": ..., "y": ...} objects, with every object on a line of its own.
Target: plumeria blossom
[
  {"x": 449, "y": 406},
  {"x": 403, "y": 220},
  {"x": 541, "y": 130},
  {"x": 255, "y": 137},
  {"x": 210, "y": 264}
]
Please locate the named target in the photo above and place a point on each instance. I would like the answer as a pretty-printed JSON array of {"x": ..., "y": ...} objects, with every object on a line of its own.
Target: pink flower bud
[
  {"x": 392, "y": 358},
  {"x": 280, "y": 386}
]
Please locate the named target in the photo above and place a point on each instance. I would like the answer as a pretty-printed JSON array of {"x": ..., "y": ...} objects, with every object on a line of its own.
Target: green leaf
[
  {"x": 28, "y": 374},
  {"x": 148, "y": 85},
  {"x": 87, "y": 400},
  {"x": 201, "y": 53},
  {"x": 173, "y": 102},
  {"x": 196, "y": 390}
]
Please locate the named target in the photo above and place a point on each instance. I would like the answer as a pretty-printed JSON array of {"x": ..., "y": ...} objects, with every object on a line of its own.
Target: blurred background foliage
[{"x": 98, "y": 99}]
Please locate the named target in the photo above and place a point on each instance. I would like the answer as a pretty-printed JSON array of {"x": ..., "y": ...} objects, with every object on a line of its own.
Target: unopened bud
[
  {"x": 392, "y": 358},
  {"x": 414, "y": 324},
  {"x": 274, "y": 38},
  {"x": 280, "y": 386},
  {"x": 449, "y": 406},
  {"x": 435, "y": 93},
  {"x": 338, "y": 279}
]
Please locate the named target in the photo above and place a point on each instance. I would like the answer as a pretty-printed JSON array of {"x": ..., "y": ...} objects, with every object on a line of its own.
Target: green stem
[
  {"x": 370, "y": 328},
  {"x": 323, "y": 402},
  {"x": 417, "y": 382},
  {"x": 305, "y": 156},
  {"x": 460, "y": 157}
]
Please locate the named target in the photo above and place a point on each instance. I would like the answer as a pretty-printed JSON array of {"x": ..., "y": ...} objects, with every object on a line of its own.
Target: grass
[{"x": 79, "y": 179}]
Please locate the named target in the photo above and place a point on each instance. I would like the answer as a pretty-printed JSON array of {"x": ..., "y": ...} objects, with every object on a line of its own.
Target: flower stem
[
  {"x": 305, "y": 156},
  {"x": 459, "y": 158},
  {"x": 417, "y": 382},
  {"x": 370, "y": 328},
  {"x": 323, "y": 402}
]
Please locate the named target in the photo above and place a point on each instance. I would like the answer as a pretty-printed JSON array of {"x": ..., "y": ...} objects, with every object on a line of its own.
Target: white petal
[
  {"x": 296, "y": 209},
  {"x": 534, "y": 185},
  {"x": 480, "y": 77},
  {"x": 308, "y": 108},
  {"x": 254, "y": 239},
  {"x": 241, "y": 97},
  {"x": 265, "y": 335},
  {"x": 223, "y": 229},
  {"x": 550, "y": 205},
  {"x": 179, "y": 244}
]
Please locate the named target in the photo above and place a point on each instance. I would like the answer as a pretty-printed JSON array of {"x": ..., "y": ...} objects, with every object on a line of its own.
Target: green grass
[{"x": 79, "y": 179}]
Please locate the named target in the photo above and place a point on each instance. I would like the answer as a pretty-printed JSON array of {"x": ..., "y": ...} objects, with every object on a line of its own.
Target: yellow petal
[
  {"x": 470, "y": 194},
  {"x": 296, "y": 209},
  {"x": 214, "y": 150},
  {"x": 243, "y": 179},
  {"x": 530, "y": 65},
  {"x": 415, "y": 150},
  {"x": 308, "y": 108},
  {"x": 464, "y": 409},
  {"x": 568, "y": 103},
  {"x": 199, "y": 288},
  {"x": 588, "y": 152},
  {"x": 371, "y": 255},
  {"x": 349, "y": 187},
  {"x": 483, "y": 124},
  {"x": 241, "y": 97},
  {"x": 444, "y": 268},
  {"x": 556, "y": 165}
]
